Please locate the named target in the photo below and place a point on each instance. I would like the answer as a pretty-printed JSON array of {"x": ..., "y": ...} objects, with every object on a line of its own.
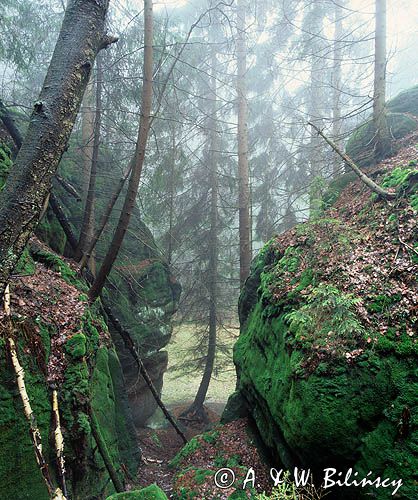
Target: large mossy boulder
[
  {"x": 63, "y": 343},
  {"x": 327, "y": 356},
  {"x": 405, "y": 102}
]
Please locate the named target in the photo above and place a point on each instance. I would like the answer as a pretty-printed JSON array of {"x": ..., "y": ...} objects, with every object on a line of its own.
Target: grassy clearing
[{"x": 181, "y": 387}]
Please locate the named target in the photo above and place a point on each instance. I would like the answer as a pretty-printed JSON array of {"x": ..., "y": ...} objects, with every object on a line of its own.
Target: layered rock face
[
  {"x": 143, "y": 296},
  {"x": 141, "y": 291},
  {"x": 327, "y": 356}
]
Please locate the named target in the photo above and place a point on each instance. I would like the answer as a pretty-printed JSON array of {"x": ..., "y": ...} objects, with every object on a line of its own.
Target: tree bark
[
  {"x": 87, "y": 228},
  {"x": 363, "y": 177},
  {"x": 10, "y": 125},
  {"x": 86, "y": 150},
  {"x": 316, "y": 95},
  {"x": 336, "y": 77},
  {"x": 382, "y": 141},
  {"x": 243, "y": 170},
  {"x": 29, "y": 183},
  {"x": 104, "y": 219},
  {"x": 171, "y": 195},
  {"x": 144, "y": 126}
]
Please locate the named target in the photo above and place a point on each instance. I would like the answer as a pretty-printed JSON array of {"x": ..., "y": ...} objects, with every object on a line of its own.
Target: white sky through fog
[{"x": 402, "y": 43}]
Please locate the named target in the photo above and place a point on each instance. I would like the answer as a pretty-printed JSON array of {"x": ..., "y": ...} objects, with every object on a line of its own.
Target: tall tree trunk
[
  {"x": 86, "y": 150},
  {"x": 382, "y": 143},
  {"x": 197, "y": 405},
  {"x": 87, "y": 228},
  {"x": 144, "y": 126},
  {"x": 10, "y": 125},
  {"x": 171, "y": 195},
  {"x": 243, "y": 170},
  {"x": 336, "y": 80},
  {"x": 21, "y": 201},
  {"x": 315, "y": 106}
]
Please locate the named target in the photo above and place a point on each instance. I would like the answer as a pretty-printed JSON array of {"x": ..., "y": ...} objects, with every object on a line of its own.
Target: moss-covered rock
[
  {"x": 405, "y": 102},
  {"x": 152, "y": 492},
  {"x": 360, "y": 146},
  {"x": 85, "y": 370},
  {"x": 327, "y": 356}
]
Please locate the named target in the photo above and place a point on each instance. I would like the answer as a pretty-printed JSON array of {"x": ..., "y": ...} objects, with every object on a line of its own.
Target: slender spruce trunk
[
  {"x": 382, "y": 142},
  {"x": 336, "y": 77},
  {"x": 243, "y": 169},
  {"x": 197, "y": 405},
  {"x": 171, "y": 195},
  {"x": 144, "y": 126},
  {"x": 82, "y": 35},
  {"x": 88, "y": 226},
  {"x": 86, "y": 150}
]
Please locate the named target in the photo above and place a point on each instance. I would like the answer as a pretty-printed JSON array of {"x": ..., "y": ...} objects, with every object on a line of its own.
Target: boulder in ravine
[{"x": 327, "y": 356}]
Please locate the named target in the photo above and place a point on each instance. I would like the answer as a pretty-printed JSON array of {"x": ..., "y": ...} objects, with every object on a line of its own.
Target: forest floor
[
  {"x": 160, "y": 442},
  {"x": 159, "y": 447}
]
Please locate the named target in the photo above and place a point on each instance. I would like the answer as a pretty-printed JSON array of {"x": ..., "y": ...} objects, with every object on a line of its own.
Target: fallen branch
[
  {"x": 62, "y": 219},
  {"x": 363, "y": 177},
  {"x": 68, "y": 187},
  {"x": 8, "y": 121},
  {"x": 130, "y": 345},
  {"x": 104, "y": 452}
]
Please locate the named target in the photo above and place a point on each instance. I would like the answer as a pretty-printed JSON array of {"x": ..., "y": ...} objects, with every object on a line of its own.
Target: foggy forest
[{"x": 208, "y": 249}]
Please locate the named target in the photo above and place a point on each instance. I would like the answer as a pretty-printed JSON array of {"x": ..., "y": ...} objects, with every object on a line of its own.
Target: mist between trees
[{"x": 194, "y": 122}]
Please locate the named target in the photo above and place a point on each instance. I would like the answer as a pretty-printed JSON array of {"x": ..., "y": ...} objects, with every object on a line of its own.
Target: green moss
[
  {"x": 336, "y": 187},
  {"x": 56, "y": 263},
  {"x": 382, "y": 303},
  {"x": 152, "y": 492},
  {"x": 76, "y": 345},
  {"x": 26, "y": 265},
  {"x": 185, "y": 452},
  {"x": 20, "y": 477},
  {"x": 5, "y": 164},
  {"x": 399, "y": 177},
  {"x": 49, "y": 230},
  {"x": 339, "y": 413},
  {"x": 210, "y": 437}
]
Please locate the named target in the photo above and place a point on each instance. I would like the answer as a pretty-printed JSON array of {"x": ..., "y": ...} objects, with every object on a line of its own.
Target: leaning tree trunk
[
  {"x": 197, "y": 406},
  {"x": 88, "y": 226},
  {"x": 243, "y": 170},
  {"x": 144, "y": 126},
  {"x": 382, "y": 141},
  {"x": 82, "y": 36},
  {"x": 86, "y": 150}
]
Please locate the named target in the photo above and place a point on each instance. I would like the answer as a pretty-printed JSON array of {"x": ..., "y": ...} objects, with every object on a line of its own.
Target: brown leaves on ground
[
  {"x": 44, "y": 298},
  {"x": 364, "y": 247},
  {"x": 231, "y": 447}
]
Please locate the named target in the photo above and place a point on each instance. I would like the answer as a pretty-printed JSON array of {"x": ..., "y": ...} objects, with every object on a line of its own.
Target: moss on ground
[{"x": 152, "y": 492}]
